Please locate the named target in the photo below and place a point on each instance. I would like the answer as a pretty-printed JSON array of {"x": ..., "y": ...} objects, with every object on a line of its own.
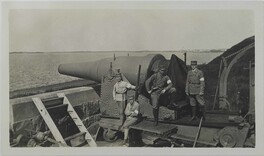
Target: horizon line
[{"x": 119, "y": 51}]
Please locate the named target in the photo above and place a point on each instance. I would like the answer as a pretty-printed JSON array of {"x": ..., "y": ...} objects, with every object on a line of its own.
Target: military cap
[
  {"x": 193, "y": 63},
  {"x": 118, "y": 75},
  {"x": 131, "y": 97},
  {"x": 162, "y": 66}
]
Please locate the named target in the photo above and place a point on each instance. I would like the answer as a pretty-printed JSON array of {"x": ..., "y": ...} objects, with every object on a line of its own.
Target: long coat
[{"x": 195, "y": 82}]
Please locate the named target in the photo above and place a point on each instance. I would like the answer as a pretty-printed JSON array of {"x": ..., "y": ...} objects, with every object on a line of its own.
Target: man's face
[
  {"x": 193, "y": 67},
  {"x": 131, "y": 100},
  {"x": 162, "y": 71},
  {"x": 118, "y": 78}
]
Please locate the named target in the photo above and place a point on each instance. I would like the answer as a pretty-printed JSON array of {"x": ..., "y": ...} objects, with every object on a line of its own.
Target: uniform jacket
[
  {"x": 157, "y": 82},
  {"x": 132, "y": 110},
  {"x": 195, "y": 82},
  {"x": 119, "y": 90}
]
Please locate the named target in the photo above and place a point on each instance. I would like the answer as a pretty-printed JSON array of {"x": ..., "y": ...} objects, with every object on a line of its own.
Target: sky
[{"x": 46, "y": 30}]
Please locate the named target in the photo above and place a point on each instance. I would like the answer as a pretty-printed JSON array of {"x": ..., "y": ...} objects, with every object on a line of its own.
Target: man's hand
[
  {"x": 163, "y": 91},
  {"x": 134, "y": 113},
  {"x": 187, "y": 93},
  {"x": 201, "y": 93},
  {"x": 149, "y": 91}
]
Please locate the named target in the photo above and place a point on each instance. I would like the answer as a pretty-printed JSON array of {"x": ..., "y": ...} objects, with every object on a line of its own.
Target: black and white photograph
[{"x": 173, "y": 76}]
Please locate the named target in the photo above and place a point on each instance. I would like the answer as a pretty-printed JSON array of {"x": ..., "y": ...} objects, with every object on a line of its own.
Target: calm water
[{"x": 39, "y": 69}]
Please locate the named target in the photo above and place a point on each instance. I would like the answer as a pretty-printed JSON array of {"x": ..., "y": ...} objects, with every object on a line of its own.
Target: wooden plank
[
  {"x": 198, "y": 132},
  {"x": 110, "y": 123},
  {"x": 47, "y": 118},
  {"x": 78, "y": 121},
  {"x": 74, "y": 136},
  {"x": 148, "y": 126},
  {"x": 57, "y": 106}
]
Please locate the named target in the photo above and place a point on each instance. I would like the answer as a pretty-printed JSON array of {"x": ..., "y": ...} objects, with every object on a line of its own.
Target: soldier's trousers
[
  {"x": 156, "y": 95},
  {"x": 129, "y": 121},
  {"x": 121, "y": 109},
  {"x": 197, "y": 99}
]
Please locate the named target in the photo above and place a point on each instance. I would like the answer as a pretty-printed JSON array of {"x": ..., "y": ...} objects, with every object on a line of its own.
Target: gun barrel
[{"x": 128, "y": 65}]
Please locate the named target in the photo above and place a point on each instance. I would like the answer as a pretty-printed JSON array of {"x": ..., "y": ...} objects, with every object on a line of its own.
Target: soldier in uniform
[
  {"x": 195, "y": 89},
  {"x": 132, "y": 112},
  {"x": 119, "y": 95},
  {"x": 159, "y": 83}
]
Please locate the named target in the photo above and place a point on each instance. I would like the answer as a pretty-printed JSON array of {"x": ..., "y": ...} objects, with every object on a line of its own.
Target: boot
[
  {"x": 125, "y": 143},
  {"x": 172, "y": 104},
  {"x": 156, "y": 116},
  {"x": 193, "y": 113}
]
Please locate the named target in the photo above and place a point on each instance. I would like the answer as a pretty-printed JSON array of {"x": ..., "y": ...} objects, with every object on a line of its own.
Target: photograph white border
[{"x": 256, "y": 6}]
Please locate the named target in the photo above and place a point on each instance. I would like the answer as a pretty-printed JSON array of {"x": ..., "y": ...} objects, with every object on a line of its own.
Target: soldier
[
  {"x": 132, "y": 112},
  {"x": 119, "y": 95},
  {"x": 161, "y": 84},
  {"x": 195, "y": 89}
]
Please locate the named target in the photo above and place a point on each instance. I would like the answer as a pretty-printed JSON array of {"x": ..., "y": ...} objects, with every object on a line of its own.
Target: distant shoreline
[{"x": 165, "y": 51}]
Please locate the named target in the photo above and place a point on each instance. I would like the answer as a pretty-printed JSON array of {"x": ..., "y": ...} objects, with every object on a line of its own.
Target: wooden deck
[{"x": 160, "y": 129}]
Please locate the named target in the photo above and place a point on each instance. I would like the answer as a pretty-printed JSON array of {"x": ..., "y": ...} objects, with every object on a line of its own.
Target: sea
[{"x": 36, "y": 69}]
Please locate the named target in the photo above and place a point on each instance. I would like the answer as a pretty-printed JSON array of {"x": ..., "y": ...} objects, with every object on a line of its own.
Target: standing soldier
[
  {"x": 195, "y": 89},
  {"x": 159, "y": 83},
  {"x": 119, "y": 95}
]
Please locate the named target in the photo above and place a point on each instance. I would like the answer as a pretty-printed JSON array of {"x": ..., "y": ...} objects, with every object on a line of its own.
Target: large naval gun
[{"x": 221, "y": 129}]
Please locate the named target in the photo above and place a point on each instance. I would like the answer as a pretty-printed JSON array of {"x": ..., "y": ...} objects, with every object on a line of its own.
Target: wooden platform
[
  {"x": 110, "y": 123},
  {"x": 160, "y": 129},
  {"x": 212, "y": 120}
]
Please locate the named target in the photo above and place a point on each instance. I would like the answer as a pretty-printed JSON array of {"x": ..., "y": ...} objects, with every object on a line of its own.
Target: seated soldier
[{"x": 132, "y": 112}]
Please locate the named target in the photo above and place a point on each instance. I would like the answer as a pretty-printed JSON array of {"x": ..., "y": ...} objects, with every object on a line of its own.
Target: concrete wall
[{"x": 24, "y": 114}]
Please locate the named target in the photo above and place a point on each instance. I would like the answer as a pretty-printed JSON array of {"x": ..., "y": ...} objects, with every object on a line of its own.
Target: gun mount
[{"x": 104, "y": 71}]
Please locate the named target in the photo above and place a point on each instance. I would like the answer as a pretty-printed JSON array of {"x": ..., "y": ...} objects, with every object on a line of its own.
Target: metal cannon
[{"x": 128, "y": 65}]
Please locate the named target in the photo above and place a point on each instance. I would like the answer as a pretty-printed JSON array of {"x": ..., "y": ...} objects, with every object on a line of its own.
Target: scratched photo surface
[{"x": 65, "y": 64}]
